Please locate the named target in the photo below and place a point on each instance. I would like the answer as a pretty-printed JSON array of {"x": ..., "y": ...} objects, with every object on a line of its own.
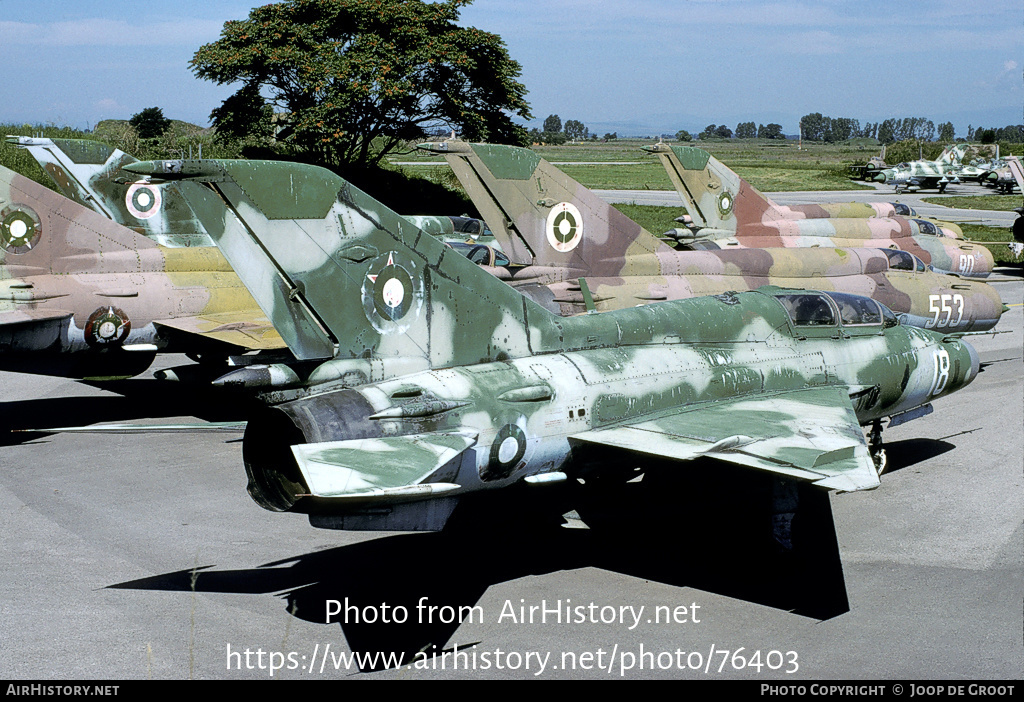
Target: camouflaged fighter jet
[
  {"x": 870, "y": 169},
  {"x": 1014, "y": 164},
  {"x": 924, "y": 173},
  {"x": 81, "y": 296},
  {"x": 828, "y": 210},
  {"x": 728, "y": 211},
  {"x": 567, "y": 243},
  {"x": 439, "y": 381},
  {"x": 90, "y": 173},
  {"x": 999, "y": 176}
]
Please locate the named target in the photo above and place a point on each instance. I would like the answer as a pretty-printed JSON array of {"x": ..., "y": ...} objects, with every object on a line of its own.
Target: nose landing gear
[{"x": 876, "y": 448}]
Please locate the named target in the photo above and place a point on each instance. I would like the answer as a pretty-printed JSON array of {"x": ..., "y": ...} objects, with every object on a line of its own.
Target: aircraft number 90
[
  {"x": 966, "y": 264},
  {"x": 941, "y": 372},
  {"x": 939, "y": 306}
]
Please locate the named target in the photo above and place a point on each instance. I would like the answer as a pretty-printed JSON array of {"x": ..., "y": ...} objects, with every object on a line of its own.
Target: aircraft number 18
[{"x": 941, "y": 372}]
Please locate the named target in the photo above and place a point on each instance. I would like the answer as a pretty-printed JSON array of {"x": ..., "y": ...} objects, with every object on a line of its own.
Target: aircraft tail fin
[
  {"x": 952, "y": 155},
  {"x": 1015, "y": 168},
  {"x": 714, "y": 195},
  {"x": 91, "y": 173},
  {"x": 341, "y": 275},
  {"x": 539, "y": 214},
  {"x": 44, "y": 232}
]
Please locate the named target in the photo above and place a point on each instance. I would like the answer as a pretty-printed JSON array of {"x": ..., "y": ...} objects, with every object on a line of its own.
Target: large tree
[
  {"x": 746, "y": 130},
  {"x": 552, "y": 123},
  {"x": 575, "y": 130},
  {"x": 358, "y": 78},
  {"x": 150, "y": 123}
]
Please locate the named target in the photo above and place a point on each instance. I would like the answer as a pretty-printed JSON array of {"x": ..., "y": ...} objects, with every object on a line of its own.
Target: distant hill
[{"x": 112, "y": 130}]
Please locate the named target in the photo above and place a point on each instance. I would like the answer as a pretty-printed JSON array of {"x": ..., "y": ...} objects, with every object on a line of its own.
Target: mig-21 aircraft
[
  {"x": 923, "y": 173},
  {"x": 91, "y": 172},
  {"x": 728, "y": 211},
  {"x": 81, "y": 296},
  {"x": 562, "y": 238},
  {"x": 1014, "y": 164},
  {"x": 446, "y": 382}
]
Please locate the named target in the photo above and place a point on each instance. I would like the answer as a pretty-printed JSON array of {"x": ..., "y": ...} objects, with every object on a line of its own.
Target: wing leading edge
[
  {"x": 248, "y": 329},
  {"x": 809, "y": 434}
]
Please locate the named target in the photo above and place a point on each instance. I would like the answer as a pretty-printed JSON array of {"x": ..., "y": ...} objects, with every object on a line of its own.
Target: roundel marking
[
  {"x": 392, "y": 297},
  {"x": 20, "y": 229},
  {"x": 564, "y": 227},
  {"x": 507, "y": 451},
  {"x": 142, "y": 200},
  {"x": 107, "y": 326},
  {"x": 725, "y": 203}
]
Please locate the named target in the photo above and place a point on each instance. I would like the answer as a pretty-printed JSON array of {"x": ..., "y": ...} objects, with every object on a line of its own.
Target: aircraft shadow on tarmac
[
  {"x": 699, "y": 533},
  {"x": 907, "y": 453},
  {"x": 135, "y": 399}
]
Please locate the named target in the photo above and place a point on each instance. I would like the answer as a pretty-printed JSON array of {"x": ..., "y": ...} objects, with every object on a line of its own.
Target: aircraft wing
[
  {"x": 387, "y": 469},
  {"x": 810, "y": 434},
  {"x": 248, "y": 329},
  {"x": 32, "y": 329}
]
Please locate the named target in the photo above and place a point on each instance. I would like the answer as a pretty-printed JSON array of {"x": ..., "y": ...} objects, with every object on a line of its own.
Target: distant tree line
[
  {"x": 744, "y": 130},
  {"x": 818, "y": 127},
  {"x": 555, "y": 133},
  {"x": 1013, "y": 133},
  {"x": 813, "y": 127}
]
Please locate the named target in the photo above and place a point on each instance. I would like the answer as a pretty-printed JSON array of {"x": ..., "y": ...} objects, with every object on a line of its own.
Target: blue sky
[{"x": 647, "y": 67}]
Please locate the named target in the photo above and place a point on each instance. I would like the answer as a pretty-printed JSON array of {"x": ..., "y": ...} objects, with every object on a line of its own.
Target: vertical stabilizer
[
  {"x": 341, "y": 275},
  {"x": 540, "y": 215},
  {"x": 714, "y": 195},
  {"x": 91, "y": 173}
]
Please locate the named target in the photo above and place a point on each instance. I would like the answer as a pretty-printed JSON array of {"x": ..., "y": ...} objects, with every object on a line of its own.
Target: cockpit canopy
[
  {"x": 928, "y": 227},
  {"x": 904, "y": 261},
  {"x": 819, "y": 309},
  {"x": 475, "y": 228},
  {"x": 481, "y": 254}
]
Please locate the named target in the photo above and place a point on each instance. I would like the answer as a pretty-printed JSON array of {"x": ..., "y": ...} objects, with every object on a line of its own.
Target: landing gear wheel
[
  {"x": 942, "y": 187},
  {"x": 880, "y": 460},
  {"x": 875, "y": 447}
]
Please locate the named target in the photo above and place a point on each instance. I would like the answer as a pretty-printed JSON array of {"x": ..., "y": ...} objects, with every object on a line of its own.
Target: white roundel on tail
[
  {"x": 142, "y": 200},
  {"x": 564, "y": 227}
]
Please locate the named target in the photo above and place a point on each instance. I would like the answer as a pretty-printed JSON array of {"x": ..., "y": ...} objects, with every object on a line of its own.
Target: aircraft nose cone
[{"x": 975, "y": 362}]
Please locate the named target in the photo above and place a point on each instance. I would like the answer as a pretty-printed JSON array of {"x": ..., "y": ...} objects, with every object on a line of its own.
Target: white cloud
[{"x": 108, "y": 106}]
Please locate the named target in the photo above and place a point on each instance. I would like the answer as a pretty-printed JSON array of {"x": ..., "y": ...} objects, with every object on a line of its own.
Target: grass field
[
  {"x": 1005, "y": 203},
  {"x": 623, "y": 165},
  {"x": 999, "y": 235}
]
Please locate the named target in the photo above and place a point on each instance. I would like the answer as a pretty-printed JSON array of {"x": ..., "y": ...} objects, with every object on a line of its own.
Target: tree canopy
[
  {"x": 552, "y": 123},
  {"x": 746, "y": 130},
  {"x": 358, "y": 78},
  {"x": 576, "y": 130},
  {"x": 150, "y": 123}
]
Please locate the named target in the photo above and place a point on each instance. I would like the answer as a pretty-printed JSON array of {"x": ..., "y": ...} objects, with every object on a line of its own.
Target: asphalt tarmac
[{"x": 142, "y": 556}]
